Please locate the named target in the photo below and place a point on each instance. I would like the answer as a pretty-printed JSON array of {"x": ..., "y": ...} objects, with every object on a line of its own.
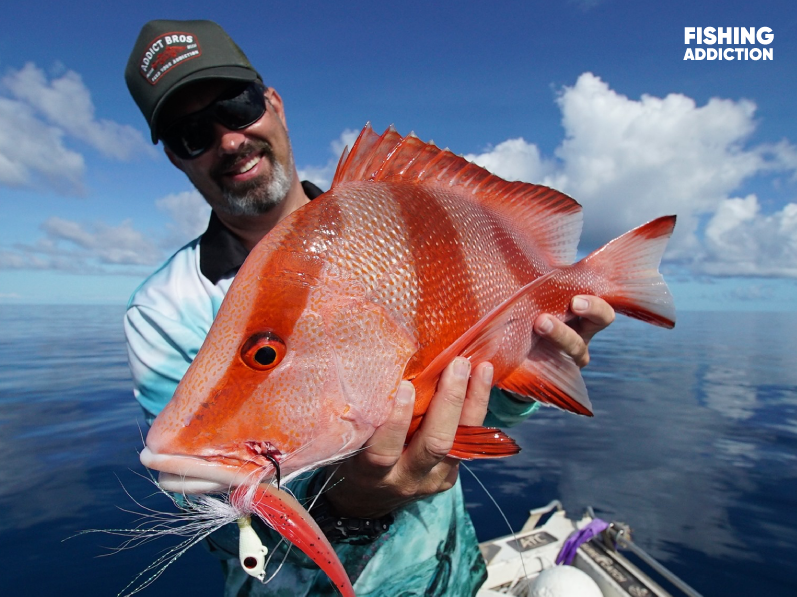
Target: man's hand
[
  {"x": 385, "y": 475},
  {"x": 592, "y": 315}
]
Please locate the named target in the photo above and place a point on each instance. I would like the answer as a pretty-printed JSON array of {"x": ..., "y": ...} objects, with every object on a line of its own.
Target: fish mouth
[{"x": 195, "y": 474}]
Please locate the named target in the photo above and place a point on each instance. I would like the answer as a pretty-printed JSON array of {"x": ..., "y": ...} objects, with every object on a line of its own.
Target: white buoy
[{"x": 564, "y": 581}]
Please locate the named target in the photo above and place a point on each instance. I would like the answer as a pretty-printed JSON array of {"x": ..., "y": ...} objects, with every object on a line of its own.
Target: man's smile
[
  {"x": 249, "y": 165},
  {"x": 244, "y": 168}
]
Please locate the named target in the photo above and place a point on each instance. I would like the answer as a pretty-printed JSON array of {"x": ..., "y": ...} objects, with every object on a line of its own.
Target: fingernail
[
  {"x": 487, "y": 374},
  {"x": 546, "y": 325},
  {"x": 405, "y": 393},
  {"x": 462, "y": 367},
  {"x": 580, "y": 304}
]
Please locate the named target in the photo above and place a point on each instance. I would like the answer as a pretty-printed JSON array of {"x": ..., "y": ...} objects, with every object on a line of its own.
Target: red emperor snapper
[{"x": 413, "y": 257}]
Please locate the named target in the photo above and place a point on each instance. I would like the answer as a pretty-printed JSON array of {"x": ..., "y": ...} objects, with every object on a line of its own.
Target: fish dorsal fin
[{"x": 548, "y": 218}]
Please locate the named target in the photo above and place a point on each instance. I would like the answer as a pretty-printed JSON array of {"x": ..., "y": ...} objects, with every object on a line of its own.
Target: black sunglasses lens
[
  {"x": 243, "y": 109},
  {"x": 189, "y": 137},
  {"x": 192, "y": 135}
]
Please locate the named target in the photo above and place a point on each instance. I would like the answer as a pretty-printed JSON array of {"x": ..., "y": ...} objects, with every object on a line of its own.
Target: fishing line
[
  {"x": 282, "y": 563},
  {"x": 501, "y": 512}
]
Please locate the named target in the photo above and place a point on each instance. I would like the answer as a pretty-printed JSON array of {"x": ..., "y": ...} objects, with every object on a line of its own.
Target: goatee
[{"x": 259, "y": 195}]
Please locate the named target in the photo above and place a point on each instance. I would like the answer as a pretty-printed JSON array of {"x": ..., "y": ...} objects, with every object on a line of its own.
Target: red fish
[{"x": 413, "y": 257}]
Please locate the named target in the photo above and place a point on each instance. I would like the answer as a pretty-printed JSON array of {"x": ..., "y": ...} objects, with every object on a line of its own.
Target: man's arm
[{"x": 386, "y": 476}]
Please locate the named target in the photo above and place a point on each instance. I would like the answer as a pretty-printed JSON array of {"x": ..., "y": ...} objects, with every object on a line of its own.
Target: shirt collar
[{"x": 220, "y": 251}]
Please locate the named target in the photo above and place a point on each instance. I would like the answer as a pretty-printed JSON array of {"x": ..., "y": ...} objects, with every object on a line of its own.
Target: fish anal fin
[
  {"x": 551, "y": 377},
  {"x": 550, "y": 221},
  {"x": 482, "y": 442}
]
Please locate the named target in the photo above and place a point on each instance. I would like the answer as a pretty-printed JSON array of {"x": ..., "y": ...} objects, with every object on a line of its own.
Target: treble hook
[{"x": 276, "y": 464}]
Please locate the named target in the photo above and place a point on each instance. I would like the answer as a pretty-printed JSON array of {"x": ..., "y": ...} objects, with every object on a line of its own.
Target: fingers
[
  {"x": 387, "y": 443},
  {"x": 563, "y": 337},
  {"x": 594, "y": 315},
  {"x": 477, "y": 397},
  {"x": 435, "y": 437},
  {"x": 386, "y": 475}
]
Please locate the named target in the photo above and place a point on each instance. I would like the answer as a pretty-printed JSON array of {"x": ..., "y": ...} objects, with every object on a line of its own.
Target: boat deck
[{"x": 515, "y": 561}]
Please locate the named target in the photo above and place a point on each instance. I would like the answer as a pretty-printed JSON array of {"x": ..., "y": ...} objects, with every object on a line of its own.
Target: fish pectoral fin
[
  {"x": 482, "y": 442},
  {"x": 552, "y": 377},
  {"x": 478, "y": 344}
]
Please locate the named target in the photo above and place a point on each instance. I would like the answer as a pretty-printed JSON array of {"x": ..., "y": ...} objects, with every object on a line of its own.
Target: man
[{"x": 228, "y": 133}]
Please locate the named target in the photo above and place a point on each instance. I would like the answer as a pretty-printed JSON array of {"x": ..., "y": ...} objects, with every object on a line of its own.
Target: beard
[{"x": 258, "y": 196}]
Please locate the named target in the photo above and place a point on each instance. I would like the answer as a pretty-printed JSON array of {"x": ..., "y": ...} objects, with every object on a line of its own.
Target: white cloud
[
  {"x": 108, "y": 244},
  {"x": 189, "y": 213},
  {"x": 322, "y": 175},
  {"x": 515, "y": 159},
  {"x": 32, "y": 153},
  {"x": 40, "y": 117},
  {"x": 628, "y": 161},
  {"x": 740, "y": 240},
  {"x": 66, "y": 103},
  {"x": 101, "y": 248}
]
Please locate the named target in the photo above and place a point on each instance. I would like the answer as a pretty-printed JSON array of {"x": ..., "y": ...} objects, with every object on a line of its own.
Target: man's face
[{"x": 244, "y": 172}]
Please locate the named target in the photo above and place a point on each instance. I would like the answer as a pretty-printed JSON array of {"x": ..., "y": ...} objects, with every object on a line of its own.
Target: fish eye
[
  {"x": 263, "y": 351},
  {"x": 266, "y": 356}
]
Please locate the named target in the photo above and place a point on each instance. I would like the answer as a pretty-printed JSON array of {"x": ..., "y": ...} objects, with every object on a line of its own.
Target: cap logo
[{"x": 167, "y": 51}]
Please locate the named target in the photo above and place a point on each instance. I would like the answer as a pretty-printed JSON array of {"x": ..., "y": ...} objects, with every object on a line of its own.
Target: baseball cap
[{"x": 171, "y": 54}]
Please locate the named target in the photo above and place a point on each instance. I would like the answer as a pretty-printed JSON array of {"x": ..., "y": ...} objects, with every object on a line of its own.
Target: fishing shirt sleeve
[
  {"x": 504, "y": 411},
  {"x": 166, "y": 322}
]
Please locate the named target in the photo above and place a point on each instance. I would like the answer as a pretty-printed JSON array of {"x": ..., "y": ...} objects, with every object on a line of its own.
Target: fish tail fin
[{"x": 630, "y": 264}]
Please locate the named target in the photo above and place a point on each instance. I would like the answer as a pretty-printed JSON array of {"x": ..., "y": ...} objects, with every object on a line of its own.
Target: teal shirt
[{"x": 430, "y": 549}]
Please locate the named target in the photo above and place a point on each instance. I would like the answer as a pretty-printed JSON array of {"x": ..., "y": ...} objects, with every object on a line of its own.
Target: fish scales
[
  {"x": 452, "y": 260},
  {"x": 413, "y": 257}
]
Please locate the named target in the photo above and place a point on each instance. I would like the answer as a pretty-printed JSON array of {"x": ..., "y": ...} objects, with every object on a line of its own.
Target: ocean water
[{"x": 693, "y": 443}]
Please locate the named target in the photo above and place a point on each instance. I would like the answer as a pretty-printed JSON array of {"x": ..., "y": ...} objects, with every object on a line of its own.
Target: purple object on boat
[{"x": 568, "y": 552}]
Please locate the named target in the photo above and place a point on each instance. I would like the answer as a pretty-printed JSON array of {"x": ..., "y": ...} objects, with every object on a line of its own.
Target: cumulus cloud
[
  {"x": 32, "y": 153},
  {"x": 740, "y": 240},
  {"x": 515, "y": 159},
  {"x": 120, "y": 244},
  {"x": 189, "y": 213},
  {"x": 626, "y": 160},
  {"x": 66, "y": 102},
  {"x": 40, "y": 116},
  {"x": 101, "y": 248},
  {"x": 322, "y": 175},
  {"x": 629, "y": 161},
  {"x": 85, "y": 248}
]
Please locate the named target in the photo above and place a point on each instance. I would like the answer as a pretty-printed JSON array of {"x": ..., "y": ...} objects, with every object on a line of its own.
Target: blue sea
[{"x": 693, "y": 444}]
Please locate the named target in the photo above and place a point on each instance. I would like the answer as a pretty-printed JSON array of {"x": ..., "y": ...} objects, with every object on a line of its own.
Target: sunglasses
[{"x": 192, "y": 135}]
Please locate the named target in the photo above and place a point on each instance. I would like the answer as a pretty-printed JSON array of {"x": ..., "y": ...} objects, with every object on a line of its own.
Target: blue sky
[{"x": 592, "y": 97}]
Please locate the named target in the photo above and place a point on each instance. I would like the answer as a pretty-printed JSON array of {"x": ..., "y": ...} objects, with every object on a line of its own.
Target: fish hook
[{"x": 276, "y": 464}]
